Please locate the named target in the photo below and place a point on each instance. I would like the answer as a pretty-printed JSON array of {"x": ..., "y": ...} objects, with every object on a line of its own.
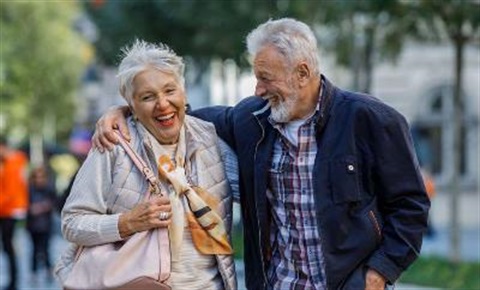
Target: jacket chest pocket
[
  {"x": 354, "y": 211},
  {"x": 344, "y": 175}
]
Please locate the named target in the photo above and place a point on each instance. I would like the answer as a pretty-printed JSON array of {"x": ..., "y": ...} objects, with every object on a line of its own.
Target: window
[{"x": 433, "y": 133}]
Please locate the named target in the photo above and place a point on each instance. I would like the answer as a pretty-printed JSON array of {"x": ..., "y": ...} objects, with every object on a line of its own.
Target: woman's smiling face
[{"x": 158, "y": 101}]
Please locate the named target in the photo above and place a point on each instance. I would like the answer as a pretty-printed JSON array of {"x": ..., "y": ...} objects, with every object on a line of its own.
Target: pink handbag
[{"x": 140, "y": 262}]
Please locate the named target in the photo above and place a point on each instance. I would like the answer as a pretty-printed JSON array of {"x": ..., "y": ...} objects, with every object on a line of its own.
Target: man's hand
[
  {"x": 114, "y": 118},
  {"x": 374, "y": 280}
]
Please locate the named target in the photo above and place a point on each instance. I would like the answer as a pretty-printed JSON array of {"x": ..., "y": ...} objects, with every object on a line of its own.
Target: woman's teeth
[{"x": 166, "y": 117}]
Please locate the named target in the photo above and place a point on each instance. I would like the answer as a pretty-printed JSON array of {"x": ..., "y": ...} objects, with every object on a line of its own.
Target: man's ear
[{"x": 303, "y": 73}]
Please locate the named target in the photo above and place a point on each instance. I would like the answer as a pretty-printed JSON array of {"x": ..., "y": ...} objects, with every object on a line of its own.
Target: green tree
[
  {"x": 363, "y": 32},
  {"x": 42, "y": 59},
  {"x": 202, "y": 29},
  {"x": 457, "y": 21}
]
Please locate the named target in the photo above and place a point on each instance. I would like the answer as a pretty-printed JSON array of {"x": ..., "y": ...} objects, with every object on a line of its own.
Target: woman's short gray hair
[
  {"x": 292, "y": 38},
  {"x": 142, "y": 55}
]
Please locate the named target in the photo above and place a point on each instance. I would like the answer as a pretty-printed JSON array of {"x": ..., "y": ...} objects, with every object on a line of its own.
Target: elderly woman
[{"x": 106, "y": 201}]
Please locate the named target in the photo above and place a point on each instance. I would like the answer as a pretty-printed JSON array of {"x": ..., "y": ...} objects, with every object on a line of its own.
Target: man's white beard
[{"x": 281, "y": 111}]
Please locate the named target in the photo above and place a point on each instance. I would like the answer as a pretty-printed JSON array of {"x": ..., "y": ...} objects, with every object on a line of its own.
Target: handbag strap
[
  {"x": 141, "y": 165},
  {"x": 164, "y": 240}
]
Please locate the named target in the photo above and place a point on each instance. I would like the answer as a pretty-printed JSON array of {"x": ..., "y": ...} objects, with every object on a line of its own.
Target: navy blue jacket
[{"x": 370, "y": 199}]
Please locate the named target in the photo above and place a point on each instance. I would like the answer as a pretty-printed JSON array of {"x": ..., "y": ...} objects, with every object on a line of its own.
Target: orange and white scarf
[{"x": 205, "y": 224}]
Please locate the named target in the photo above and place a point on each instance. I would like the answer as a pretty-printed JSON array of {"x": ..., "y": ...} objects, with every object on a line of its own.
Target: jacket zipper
[
  {"x": 318, "y": 132},
  {"x": 320, "y": 226},
  {"x": 256, "y": 207},
  {"x": 375, "y": 223}
]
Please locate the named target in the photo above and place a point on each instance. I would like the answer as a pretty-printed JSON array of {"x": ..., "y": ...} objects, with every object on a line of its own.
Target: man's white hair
[
  {"x": 142, "y": 55},
  {"x": 292, "y": 38}
]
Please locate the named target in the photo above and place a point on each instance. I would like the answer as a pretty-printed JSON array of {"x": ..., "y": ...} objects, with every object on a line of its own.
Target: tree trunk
[
  {"x": 457, "y": 125},
  {"x": 369, "y": 52},
  {"x": 36, "y": 136},
  {"x": 36, "y": 149},
  {"x": 355, "y": 57}
]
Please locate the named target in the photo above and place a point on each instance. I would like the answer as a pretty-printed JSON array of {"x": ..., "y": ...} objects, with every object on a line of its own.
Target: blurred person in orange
[
  {"x": 13, "y": 201},
  {"x": 431, "y": 192},
  {"x": 429, "y": 183},
  {"x": 42, "y": 197}
]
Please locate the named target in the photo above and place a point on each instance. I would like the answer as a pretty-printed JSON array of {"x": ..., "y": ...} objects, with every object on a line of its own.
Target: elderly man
[{"x": 331, "y": 192}]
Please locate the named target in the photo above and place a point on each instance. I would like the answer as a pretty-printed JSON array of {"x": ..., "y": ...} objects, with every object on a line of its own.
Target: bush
[
  {"x": 439, "y": 272},
  {"x": 237, "y": 241}
]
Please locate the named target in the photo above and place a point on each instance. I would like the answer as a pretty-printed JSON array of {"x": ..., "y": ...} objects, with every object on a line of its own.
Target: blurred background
[{"x": 57, "y": 76}]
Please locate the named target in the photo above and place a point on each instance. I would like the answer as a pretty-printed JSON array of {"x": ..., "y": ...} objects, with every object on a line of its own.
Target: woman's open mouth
[{"x": 166, "y": 120}]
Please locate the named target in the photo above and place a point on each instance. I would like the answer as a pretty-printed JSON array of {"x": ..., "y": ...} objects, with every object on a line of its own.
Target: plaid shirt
[{"x": 297, "y": 260}]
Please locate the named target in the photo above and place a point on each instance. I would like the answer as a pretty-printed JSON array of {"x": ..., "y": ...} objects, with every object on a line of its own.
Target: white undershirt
[{"x": 290, "y": 129}]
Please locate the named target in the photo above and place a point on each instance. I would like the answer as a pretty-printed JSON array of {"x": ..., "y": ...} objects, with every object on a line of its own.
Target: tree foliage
[
  {"x": 42, "y": 61},
  {"x": 360, "y": 32},
  {"x": 456, "y": 20},
  {"x": 202, "y": 29},
  {"x": 364, "y": 32}
]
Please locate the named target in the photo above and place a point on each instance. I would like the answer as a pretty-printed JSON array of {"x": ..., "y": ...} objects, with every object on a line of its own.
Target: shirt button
[{"x": 350, "y": 168}]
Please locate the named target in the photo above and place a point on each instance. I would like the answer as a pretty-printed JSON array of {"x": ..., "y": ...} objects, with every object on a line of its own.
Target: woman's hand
[
  {"x": 145, "y": 216},
  {"x": 114, "y": 118}
]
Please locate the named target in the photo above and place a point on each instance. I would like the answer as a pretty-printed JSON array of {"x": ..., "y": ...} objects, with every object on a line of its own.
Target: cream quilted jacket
[{"x": 108, "y": 184}]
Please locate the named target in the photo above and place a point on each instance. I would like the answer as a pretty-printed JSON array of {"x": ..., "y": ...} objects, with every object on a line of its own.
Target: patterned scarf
[{"x": 206, "y": 226}]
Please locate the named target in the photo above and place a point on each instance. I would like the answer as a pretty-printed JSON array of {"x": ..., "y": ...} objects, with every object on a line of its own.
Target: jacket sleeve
[
  {"x": 230, "y": 163},
  {"x": 222, "y": 118},
  {"x": 85, "y": 220},
  {"x": 401, "y": 194}
]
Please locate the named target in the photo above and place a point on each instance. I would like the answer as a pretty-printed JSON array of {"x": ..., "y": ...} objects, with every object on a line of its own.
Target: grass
[
  {"x": 440, "y": 273},
  {"x": 237, "y": 242}
]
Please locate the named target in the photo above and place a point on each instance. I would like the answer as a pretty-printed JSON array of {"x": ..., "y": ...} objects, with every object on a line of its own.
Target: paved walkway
[
  {"x": 437, "y": 245},
  {"x": 23, "y": 247}
]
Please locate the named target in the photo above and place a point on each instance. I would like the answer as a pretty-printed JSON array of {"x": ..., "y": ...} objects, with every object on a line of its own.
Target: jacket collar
[
  {"x": 326, "y": 100},
  {"x": 263, "y": 112}
]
